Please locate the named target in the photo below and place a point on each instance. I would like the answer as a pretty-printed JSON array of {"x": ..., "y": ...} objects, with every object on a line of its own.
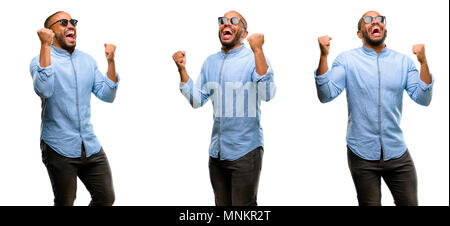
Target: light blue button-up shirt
[
  {"x": 374, "y": 85},
  {"x": 236, "y": 90},
  {"x": 65, "y": 89}
]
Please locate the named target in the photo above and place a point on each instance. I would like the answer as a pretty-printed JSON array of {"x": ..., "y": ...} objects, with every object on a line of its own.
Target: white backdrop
[{"x": 157, "y": 144}]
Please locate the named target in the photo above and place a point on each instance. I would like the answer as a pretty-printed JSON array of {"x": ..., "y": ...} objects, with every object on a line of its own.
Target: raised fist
[
  {"x": 324, "y": 43},
  {"x": 109, "y": 51},
  {"x": 419, "y": 51},
  {"x": 46, "y": 36},
  {"x": 180, "y": 59},
  {"x": 256, "y": 41}
]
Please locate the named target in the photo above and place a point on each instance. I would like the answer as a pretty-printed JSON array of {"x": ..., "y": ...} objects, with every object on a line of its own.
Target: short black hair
[{"x": 47, "y": 21}]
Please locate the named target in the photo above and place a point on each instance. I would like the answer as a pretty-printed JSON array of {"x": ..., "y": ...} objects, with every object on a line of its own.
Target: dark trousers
[
  {"x": 235, "y": 183},
  {"x": 399, "y": 175},
  {"x": 93, "y": 171}
]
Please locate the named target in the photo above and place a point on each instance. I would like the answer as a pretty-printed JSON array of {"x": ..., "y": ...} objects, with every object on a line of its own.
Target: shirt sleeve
[
  {"x": 197, "y": 94},
  {"x": 333, "y": 82},
  {"x": 418, "y": 90},
  {"x": 43, "y": 78},
  {"x": 266, "y": 83},
  {"x": 104, "y": 88}
]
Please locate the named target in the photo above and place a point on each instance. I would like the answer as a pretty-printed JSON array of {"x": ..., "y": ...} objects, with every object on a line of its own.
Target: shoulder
[{"x": 399, "y": 57}]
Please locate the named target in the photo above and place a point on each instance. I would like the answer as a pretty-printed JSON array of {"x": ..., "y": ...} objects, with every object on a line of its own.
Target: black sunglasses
[
  {"x": 233, "y": 20},
  {"x": 369, "y": 19},
  {"x": 65, "y": 22}
]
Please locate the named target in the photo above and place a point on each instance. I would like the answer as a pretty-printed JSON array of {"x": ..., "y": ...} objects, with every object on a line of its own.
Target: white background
[{"x": 157, "y": 144}]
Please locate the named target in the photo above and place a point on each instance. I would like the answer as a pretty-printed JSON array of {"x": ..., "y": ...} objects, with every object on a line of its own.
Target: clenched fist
[
  {"x": 324, "y": 43},
  {"x": 419, "y": 51},
  {"x": 46, "y": 36},
  {"x": 109, "y": 52},
  {"x": 180, "y": 59},
  {"x": 256, "y": 41}
]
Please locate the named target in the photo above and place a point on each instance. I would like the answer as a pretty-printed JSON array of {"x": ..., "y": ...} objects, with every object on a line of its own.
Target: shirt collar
[
  {"x": 370, "y": 51},
  {"x": 62, "y": 52},
  {"x": 235, "y": 50}
]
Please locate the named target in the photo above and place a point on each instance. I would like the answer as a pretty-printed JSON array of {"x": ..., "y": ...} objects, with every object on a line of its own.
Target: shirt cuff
[
  {"x": 424, "y": 86},
  {"x": 269, "y": 73},
  {"x": 321, "y": 79},
  {"x": 111, "y": 83},
  {"x": 184, "y": 85}
]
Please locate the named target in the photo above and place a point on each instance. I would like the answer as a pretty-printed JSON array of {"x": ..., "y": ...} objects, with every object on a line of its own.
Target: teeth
[{"x": 227, "y": 29}]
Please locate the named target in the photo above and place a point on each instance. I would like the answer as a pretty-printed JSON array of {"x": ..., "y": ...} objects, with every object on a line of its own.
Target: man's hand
[
  {"x": 46, "y": 36},
  {"x": 109, "y": 52},
  {"x": 419, "y": 51},
  {"x": 180, "y": 60},
  {"x": 324, "y": 44},
  {"x": 256, "y": 42}
]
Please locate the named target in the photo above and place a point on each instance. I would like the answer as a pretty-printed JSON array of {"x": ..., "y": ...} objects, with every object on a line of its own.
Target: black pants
[
  {"x": 399, "y": 175},
  {"x": 93, "y": 171},
  {"x": 235, "y": 183}
]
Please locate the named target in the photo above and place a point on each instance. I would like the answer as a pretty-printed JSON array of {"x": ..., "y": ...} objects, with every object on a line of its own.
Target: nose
[
  {"x": 69, "y": 25},
  {"x": 374, "y": 21},
  {"x": 228, "y": 22}
]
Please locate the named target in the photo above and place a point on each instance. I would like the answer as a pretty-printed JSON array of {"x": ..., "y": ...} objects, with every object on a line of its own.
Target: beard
[
  {"x": 372, "y": 42},
  {"x": 61, "y": 39},
  {"x": 233, "y": 42}
]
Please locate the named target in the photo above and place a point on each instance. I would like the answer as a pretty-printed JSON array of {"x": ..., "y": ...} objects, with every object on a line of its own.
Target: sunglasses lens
[
  {"x": 222, "y": 20},
  {"x": 74, "y": 22},
  {"x": 64, "y": 22},
  {"x": 234, "y": 20},
  {"x": 367, "y": 19},
  {"x": 380, "y": 19}
]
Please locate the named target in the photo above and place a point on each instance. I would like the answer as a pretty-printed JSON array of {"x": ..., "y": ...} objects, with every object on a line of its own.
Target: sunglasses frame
[
  {"x": 65, "y": 22},
  {"x": 383, "y": 19},
  {"x": 231, "y": 21}
]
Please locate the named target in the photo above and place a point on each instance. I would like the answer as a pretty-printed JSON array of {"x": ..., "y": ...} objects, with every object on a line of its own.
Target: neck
[
  {"x": 226, "y": 50},
  {"x": 70, "y": 51},
  {"x": 377, "y": 48}
]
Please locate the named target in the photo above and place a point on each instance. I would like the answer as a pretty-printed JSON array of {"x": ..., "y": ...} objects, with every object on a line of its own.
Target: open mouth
[
  {"x": 375, "y": 31},
  {"x": 70, "y": 35},
  {"x": 227, "y": 33}
]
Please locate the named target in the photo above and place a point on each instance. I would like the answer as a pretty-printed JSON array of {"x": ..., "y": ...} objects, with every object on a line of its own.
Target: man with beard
[
  {"x": 64, "y": 78},
  {"x": 236, "y": 79},
  {"x": 375, "y": 77}
]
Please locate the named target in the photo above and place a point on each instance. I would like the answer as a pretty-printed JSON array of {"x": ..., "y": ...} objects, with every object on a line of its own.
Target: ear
[
  {"x": 359, "y": 33},
  {"x": 244, "y": 34}
]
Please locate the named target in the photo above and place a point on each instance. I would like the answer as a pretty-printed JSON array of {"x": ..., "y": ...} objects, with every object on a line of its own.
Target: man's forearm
[
  {"x": 112, "y": 71},
  {"x": 260, "y": 62},
  {"x": 425, "y": 73},
  {"x": 44, "y": 56},
  {"x": 323, "y": 65},
  {"x": 184, "y": 77}
]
